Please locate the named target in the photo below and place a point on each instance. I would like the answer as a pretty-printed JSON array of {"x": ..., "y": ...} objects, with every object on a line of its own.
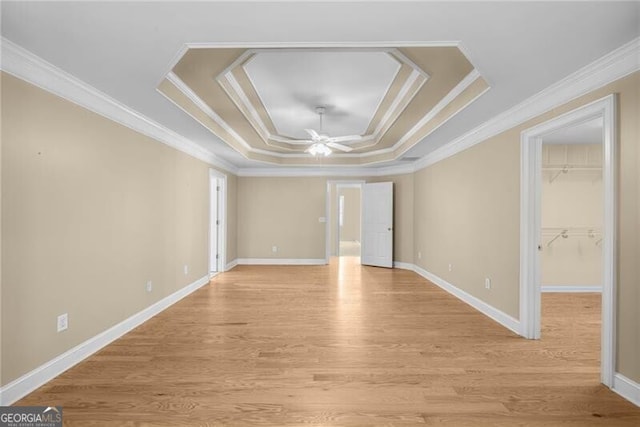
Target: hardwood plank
[{"x": 342, "y": 345}]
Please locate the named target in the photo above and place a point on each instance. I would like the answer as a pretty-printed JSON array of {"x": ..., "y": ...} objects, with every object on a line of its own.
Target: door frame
[
  {"x": 530, "y": 223},
  {"x": 218, "y": 179},
  {"x": 330, "y": 215}
]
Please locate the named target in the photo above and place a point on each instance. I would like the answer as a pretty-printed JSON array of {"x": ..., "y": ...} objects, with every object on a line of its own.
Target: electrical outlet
[
  {"x": 487, "y": 283},
  {"x": 63, "y": 322},
  {"x": 149, "y": 286},
  {"x": 186, "y": 269},
  {"x": 274, "y": 249},
  {"x": 450, "y": 267}
]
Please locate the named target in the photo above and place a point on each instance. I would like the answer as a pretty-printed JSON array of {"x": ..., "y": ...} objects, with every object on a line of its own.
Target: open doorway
[
  {"x": 542, "y": 235},
  {"x": 217, "y": 222},
  {"x": 343, "y": 206},
  {"x": 349, "y": 216},
  {"x": 571, "y": 261}
]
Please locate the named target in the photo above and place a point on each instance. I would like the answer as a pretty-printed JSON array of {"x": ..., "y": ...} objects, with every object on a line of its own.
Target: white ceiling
[
  {"x": 125, "y": 48},
  {"x": 584, "y": 133},
  {"x": 350, "y": 85}
]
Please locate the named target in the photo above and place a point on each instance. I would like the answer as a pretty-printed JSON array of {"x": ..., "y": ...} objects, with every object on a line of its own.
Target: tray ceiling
[{"x": 260, "y": 101}]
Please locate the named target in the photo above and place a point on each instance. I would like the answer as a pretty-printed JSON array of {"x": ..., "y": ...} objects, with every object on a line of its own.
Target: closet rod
[{"x": 562, "y": 234}]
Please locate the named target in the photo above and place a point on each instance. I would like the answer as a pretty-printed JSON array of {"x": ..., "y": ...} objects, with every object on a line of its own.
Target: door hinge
[
  {"x": 217, "y": 256},
  {"x": 217, "y": 222},
  {"x": 218, "y": 188}
]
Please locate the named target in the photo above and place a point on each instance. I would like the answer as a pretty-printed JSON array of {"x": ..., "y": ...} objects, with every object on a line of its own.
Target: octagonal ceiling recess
[
  {"x": 260, "y": 101},
  {"x": 350, "y": 85}
]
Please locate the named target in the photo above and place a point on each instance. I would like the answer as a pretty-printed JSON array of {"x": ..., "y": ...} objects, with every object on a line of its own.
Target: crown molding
[
  {"x": 326, "y": 171},
  {"x": 609, "y": 68},
  {"x": 23, "y": 64},
  {"x": 26, "y": 66}
]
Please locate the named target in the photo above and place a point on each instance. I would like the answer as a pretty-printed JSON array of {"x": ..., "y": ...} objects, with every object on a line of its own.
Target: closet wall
[{"x": 572, "y": 215}]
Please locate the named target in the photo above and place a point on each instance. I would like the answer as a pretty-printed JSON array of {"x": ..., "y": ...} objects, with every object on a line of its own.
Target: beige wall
[
  {"x": 350, "y": 230},
  {"x": 91, "y": 210},
  {"x": 572, "y": 201},
  {"x": 467, "y": 214},
  {"x": 281, "y": 212}
]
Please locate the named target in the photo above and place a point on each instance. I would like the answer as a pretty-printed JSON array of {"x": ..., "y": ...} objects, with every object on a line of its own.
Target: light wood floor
[{"x": 342, "y": 345}]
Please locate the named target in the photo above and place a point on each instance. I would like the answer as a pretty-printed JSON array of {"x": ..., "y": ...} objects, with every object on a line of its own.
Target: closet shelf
[
  {"x": 565, "y": 232},
  {"x": 559, "y": 170}
]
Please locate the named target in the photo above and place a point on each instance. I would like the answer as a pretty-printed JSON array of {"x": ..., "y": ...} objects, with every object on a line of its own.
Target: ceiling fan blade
[
  {"x": 339, "y": 146},
  {"x": 313, "y": 133},
  {"x": 345, "y": 138}
]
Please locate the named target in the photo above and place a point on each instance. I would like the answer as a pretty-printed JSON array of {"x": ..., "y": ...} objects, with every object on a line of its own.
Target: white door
[
  {"x": 214, "y": 224},
  {"x": 377, "y": 224}
]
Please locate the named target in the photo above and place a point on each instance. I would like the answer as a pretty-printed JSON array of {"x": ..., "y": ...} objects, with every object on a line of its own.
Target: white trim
[
  {"x": 404, "y": 265},
  {"x": 499, "y": 316},
  {"x": 220, "y": 179},
  {"x": 23, "y": 64},
  {"x": 611, "y": 67},
  {"x": 30, "y": 381},
  {"x": 402, "y": 97},
  {"x": 321, "y": 45},
  {"x": 390, "y": 48},
  {"x": 530, "y": 222},
  {"x": 626, "y": 388},
  {"x": 448, "y": 98},
  {"x": 198, "y": 102},
  {"x": 327, "y": 171},
  {"x": 570, "y": 288},
  {"x": 281, "y": 261},
  {"x": 255, "y": 120},
  {"x": 231, "y": 265}
]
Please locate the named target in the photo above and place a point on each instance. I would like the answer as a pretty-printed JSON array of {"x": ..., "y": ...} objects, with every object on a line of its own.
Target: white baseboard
[
  {"x": 231, "y": 265},
  {"x": 571, "y": 288},
  {"x": 499, "y": 316},
  {"x": 626, "y": 388},
  {"x": 281, "y": 261},
  {"x": 30, "y": 381},
  {"x": 404, "y": 265}
]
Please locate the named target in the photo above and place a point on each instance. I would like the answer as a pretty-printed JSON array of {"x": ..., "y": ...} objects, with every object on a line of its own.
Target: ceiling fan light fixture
[{"x": 319, "y": 149}]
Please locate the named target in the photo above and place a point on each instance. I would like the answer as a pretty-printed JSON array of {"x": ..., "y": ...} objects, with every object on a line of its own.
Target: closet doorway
[
  {"x": 571, "y": 259},
  {"x": 568, "y": 215}
]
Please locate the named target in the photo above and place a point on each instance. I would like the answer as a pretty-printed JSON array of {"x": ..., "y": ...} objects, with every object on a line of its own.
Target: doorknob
[{"x": 389, "y": 229}]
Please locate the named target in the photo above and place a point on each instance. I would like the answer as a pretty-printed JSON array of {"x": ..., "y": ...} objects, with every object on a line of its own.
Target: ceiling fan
[{"x": 321, "y": 144}]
